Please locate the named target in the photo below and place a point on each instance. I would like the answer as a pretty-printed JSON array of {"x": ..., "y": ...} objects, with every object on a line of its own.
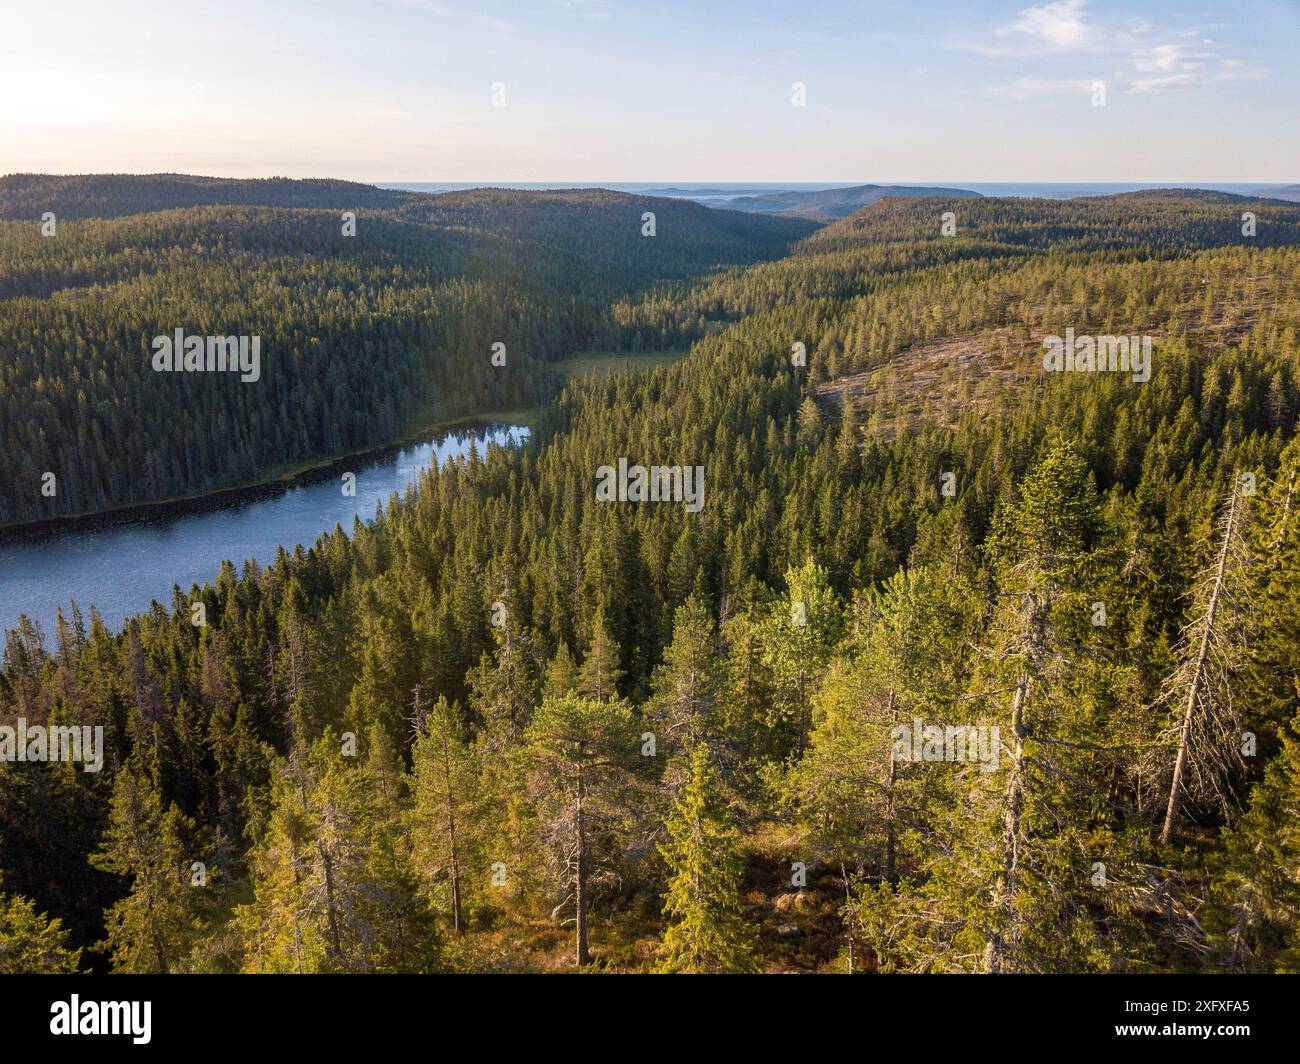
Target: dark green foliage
[
  {"x": 363, "y": 338},
  {"x": 626, "y": 618}
]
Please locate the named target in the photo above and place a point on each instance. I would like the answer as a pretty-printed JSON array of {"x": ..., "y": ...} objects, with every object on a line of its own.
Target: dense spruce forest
[
  {"x": 363, "y": 338},
  {"x": 510, "y": 727}
]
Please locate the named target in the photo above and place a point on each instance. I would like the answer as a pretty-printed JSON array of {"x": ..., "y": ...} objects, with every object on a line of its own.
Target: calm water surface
[{"x": 120, "y": 568}]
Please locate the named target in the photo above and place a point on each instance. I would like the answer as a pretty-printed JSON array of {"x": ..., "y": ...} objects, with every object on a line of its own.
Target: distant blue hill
[
  {"x": 834, "y": 202},
  {"x": 1286, "y": 192}
]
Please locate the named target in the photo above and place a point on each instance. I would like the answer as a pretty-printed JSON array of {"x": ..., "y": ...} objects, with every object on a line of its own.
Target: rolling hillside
[
  {"x": 836, "y": 202},
  {"x": 363, "y": 337}
]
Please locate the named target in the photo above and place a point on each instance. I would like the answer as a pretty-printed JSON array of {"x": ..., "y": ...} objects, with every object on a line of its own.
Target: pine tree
[
  {"x": 854, "y": 792},
  {"x": 798, "y": 639},
  {"x": 333, "y": 885},
  {"x": 581, "y": 751}
]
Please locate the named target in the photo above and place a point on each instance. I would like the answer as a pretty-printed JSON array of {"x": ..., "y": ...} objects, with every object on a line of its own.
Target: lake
[{"x": 122, "y": 566}]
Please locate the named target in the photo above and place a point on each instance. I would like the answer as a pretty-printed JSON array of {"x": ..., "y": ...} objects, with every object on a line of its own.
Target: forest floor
[{"x": 799, "y": 929}]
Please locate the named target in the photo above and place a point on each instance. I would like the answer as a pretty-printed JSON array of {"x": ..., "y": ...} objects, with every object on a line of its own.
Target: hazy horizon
[{"x": 420, "y": 185}]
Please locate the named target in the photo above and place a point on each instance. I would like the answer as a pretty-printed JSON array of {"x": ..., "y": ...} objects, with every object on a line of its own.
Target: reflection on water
[{"x": 121, "y": 568}]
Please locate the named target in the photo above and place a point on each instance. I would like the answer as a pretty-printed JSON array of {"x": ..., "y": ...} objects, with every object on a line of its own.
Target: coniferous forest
[{"x": 962, "y": 665}]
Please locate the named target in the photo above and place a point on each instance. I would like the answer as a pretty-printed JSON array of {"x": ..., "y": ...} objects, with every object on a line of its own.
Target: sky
[{"x": 636, "y": 90}]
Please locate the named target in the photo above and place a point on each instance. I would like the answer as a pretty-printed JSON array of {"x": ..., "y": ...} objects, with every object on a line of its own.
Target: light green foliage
[
  {"x": 582, "y": 752},
  {"x": 707, "y": 930},
  {"x": 31, "y": 941},
  {"x": 447, "y": 817},
  {"x": 334, "y": 887},
  {"x": 798, "y": 639}
]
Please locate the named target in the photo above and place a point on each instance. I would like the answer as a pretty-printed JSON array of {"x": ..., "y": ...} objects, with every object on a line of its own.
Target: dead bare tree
[{"x": 1208, "y": 734}]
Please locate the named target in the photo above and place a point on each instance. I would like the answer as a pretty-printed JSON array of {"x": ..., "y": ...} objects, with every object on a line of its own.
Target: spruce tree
[
  {"x": 1254, "y": 917},
  {"x": 153, "y": 847},
  {"x": 684, "y": 689},
  {"x": 32, "y": 942},
  {"x": 707, "y": 931},
  {"x": 561, "y": 677},
  {"x": 445, "y": 829},
  {"x": 600, "y": 673}
]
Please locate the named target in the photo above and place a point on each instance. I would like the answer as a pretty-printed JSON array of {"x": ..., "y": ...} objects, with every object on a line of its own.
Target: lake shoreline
[
  {"x": 207, "y": 502},
  {"x": 312, "y": 471}
]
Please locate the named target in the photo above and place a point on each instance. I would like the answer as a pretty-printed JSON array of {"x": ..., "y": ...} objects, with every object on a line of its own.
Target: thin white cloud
[
  {"x": 1169, "y": 83},
  {"x": 1133, "y": 56},
  {"x": 1169, "y": 57},
  {"x": 1058, "y": 26}
]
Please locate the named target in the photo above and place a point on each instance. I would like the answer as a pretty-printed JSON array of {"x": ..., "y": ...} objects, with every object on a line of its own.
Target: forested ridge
[
  {"x": 24, "y": 197},
  {"x": 509, "y": 727},
  {"x": 361, "y": 336}
]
